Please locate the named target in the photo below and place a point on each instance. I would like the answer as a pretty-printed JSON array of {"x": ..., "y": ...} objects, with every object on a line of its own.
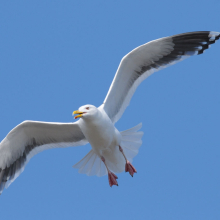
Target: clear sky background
[{"x": 58, "y": 55}]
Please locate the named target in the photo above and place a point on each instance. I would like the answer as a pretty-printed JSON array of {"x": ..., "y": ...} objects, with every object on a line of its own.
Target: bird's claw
[
  {"x": 112, "y": 178},
  {"x": 130, "y": 168}
]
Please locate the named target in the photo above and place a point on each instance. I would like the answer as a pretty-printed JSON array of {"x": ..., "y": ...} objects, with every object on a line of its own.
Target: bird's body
[
  {"x": 105, "y": 140},
  {"x": 100, "y": 132},
  {"x": 112, "y": 151}
]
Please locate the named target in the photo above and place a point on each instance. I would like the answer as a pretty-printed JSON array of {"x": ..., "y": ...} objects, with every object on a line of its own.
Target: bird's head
[{"x": 86, "y": 111}]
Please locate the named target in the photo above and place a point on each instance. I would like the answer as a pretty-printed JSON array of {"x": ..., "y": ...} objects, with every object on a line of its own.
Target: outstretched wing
[
  {"x": 30, "y": 138},
  {"x": 147, "y": 59}
]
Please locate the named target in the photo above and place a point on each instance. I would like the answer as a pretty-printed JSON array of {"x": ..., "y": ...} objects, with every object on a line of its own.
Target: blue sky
[{"x": 58, "y": 55}]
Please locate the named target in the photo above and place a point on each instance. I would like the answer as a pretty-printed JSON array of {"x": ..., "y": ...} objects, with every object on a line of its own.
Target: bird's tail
[{"x": 131, "y": 141}]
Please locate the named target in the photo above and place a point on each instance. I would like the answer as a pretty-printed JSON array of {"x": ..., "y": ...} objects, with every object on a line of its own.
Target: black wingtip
[{"x": 195, "y": 41}]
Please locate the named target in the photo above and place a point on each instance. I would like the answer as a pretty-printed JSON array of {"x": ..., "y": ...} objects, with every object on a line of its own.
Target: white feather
[{"x": 91, "y": 164}]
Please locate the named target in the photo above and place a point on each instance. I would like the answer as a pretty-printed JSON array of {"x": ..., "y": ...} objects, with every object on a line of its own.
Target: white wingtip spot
[{"x": 213, "y": 35}]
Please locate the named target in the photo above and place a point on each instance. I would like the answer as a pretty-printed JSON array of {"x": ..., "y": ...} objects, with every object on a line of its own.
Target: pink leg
[
  {"x": 112, "y": 178},
  {"x": 128, "y": 166}
]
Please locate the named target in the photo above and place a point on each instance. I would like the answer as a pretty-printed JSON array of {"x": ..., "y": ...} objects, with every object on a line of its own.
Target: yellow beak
[{"x": 79, "y": 114}]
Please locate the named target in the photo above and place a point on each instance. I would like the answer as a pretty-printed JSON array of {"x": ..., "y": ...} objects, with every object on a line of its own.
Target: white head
[{"x": 86, "y": 112}]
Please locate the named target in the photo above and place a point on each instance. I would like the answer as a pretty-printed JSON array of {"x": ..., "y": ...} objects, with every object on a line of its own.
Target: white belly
[{"x": 101, "y": 133}]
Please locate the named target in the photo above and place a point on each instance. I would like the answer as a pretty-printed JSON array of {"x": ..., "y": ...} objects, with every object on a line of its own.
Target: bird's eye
[{"x": 87, "y": 108}]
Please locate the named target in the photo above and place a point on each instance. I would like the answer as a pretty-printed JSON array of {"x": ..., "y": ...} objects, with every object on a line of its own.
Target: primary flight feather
[{"x": 112, "y": 151}]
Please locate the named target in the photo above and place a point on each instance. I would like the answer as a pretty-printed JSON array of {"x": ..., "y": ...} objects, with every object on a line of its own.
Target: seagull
[{"x": 112, "y": 151}]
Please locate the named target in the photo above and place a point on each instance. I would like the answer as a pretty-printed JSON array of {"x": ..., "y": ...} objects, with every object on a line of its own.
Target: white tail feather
[
  {"x": 91, "y": 164},
  {"x": 131, "y": 141}
]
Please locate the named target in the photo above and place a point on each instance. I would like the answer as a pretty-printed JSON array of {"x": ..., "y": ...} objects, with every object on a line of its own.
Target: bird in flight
[{"x": 112, "y": 151}]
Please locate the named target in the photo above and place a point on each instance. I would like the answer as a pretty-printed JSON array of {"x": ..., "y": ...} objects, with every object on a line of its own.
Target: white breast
[{"x": 100, "y": 132}]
